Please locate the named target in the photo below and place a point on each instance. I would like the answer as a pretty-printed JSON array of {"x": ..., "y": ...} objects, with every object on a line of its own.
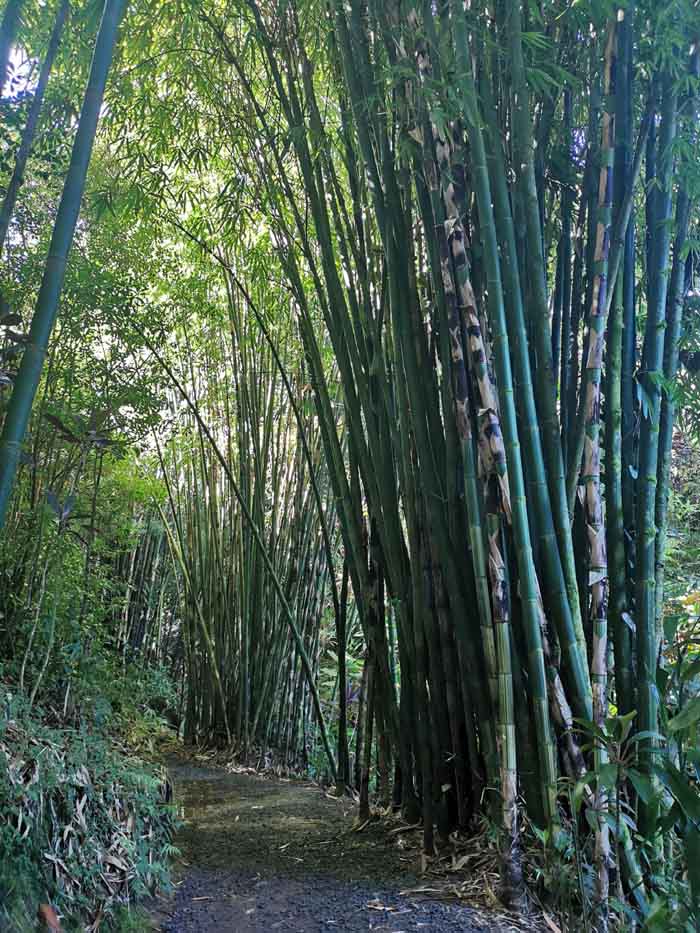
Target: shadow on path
[{"x": 275, "y": 855}]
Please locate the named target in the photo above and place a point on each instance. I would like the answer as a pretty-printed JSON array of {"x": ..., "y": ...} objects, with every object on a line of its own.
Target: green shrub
[{"x": 82, "y": 825}]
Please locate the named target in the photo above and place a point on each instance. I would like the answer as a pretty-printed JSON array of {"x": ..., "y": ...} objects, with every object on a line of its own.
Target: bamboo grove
[
  {"x": 424, "y": 410},
  {"x": 250, "y": 538}
]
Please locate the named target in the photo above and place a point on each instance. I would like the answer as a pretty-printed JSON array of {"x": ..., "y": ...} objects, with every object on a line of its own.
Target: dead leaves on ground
[
  {"x": 465, "y": 869},
  {"x": 97, "y": 839}
]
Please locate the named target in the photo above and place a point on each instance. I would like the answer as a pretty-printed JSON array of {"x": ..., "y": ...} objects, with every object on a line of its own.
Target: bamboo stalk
[{"x": 27, "y": 379}]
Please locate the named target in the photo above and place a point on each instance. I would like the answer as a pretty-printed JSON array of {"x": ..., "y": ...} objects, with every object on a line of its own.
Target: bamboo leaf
[
  {"x": 692, "y": 670},
  {"x": 641, "y": 784},
  {"x": 692, "y": 860},
  {"x": 685, "y": 795},
  {"x": 607, "y": 775},
  {"x": 646, "y": 734},
  {"x": 687, "y": 717},
  {"x": 591, "y": 729},
  {"x": 659, "y": 918}
]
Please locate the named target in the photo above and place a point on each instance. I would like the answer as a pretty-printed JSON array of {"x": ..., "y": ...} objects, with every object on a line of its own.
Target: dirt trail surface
[{"x": 261, "y": 854}]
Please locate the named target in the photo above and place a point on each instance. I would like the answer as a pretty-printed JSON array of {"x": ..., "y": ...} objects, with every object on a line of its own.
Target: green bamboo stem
[
  {"x": 11, "y": 18},
  {"x": 570, "y": 641},
  {"x": 545, "y": 377},
  {"x": 617, "y": 248},
  {"x": 25, "y": 146},
  {"x": 652, "y": 369},
  {"x": 618, "y": 616},
  {"x": 593, "y": 504},
  {"x": 27, "y": 379},
  {"x": 624, "y": 177},
  {"x": 566, "y": 240},
  {"x": 528, "y": 581},
  {"x": 450, "y": 267},
  {"x": 674, "y": 320}
]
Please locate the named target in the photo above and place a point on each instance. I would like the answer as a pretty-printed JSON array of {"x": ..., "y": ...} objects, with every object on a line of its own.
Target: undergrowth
[{"x": 84, "y": 823}]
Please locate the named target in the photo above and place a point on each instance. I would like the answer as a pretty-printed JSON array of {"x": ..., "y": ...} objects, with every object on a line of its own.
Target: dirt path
[{"x": 266, "y": 855}]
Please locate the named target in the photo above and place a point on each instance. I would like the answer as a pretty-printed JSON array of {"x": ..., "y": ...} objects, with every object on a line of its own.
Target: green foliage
[{"x": 82, "y": 825}]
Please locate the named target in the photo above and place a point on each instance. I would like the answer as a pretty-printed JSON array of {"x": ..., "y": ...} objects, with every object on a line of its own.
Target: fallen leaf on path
[
  {"x": 423, "y": 890},
  {"x": 405, "y": 829},
  {"x": 550, "y": 923},
  {"x": 458, "y": 864},
  {"x": 377, "y": 905}
]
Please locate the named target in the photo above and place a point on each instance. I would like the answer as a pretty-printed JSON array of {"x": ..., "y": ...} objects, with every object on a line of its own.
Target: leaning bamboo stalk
[
  {"x": 618, "y": 616},
  {"x": 25, "y": 146},
  {"x": 566, "y": 315},
  {"x": 8, "y": 30},
  {"x": 27, "y": 379}
]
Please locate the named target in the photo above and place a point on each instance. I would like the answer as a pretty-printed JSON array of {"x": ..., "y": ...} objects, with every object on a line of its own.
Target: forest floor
[{"x": 268, "y": 854}]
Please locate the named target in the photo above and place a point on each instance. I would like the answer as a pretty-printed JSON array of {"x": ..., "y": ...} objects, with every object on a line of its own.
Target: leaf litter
[{"x": 243, "y": 830}]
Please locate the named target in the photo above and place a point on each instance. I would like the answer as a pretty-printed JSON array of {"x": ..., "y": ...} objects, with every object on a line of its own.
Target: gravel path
[{"x": 261, "y": 854}]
